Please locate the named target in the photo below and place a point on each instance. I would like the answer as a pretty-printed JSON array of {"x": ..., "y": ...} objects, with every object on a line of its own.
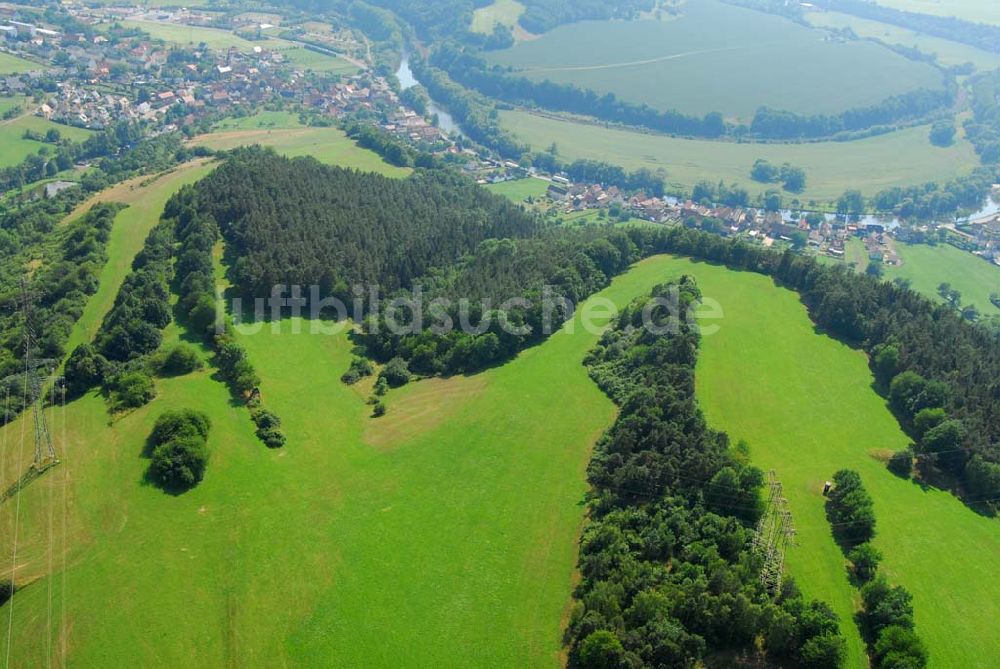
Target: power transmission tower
[
  {"x": 775, "y": 531},
  {"x": 35, "y": 370}
]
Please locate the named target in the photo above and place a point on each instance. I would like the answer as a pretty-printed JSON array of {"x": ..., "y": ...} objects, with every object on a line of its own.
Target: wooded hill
[{"x": 296, "y": 221}]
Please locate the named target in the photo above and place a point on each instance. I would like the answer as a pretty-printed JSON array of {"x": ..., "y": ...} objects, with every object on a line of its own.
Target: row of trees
[
  {"x": 886, "y": 619},
  {"x": 667, "y": 575},
  {"x": 194, "y": 281}
]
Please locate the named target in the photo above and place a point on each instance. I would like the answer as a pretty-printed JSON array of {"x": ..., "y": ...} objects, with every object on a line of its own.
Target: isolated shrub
[
  {"x": 132, "y": 390},
  {"x": 901, "y": 463},
  {"x": 180, "y": 423},
  {"x": 381, "y": 386},
  {"x": 181, "y": 359},
  {"x": 265, "y": 419},
  {"x": 180, "y": 452},
  {"x": 180, "y": 462},
  {"x": 379, "y": 409},
  {"x": 395, "y": 372},
  {"x": 360, "y": 367}
]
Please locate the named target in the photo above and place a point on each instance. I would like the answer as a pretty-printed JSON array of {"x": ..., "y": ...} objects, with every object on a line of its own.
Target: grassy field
[
  {"x": 927, "y": 267},
  {"x": 444, "y": 532},
  {"x": 213, "y": 38},
  {"x": 315, "y": 61},
  {"x": 905, "y": 157},
  {"x": 444, "y": 539},
  {"x": 14, "y": 147},
  {"x": 722, "y": 58},
  {"x": 502, "y": 12},
  {"x": 10, "y": 64},
  {"x": 804, "y": 403},
  {"x": 329, "y": 145},
  {"x": 948, "y": 52},
  {"x": 977, "y": 11},
  {"x": 520, "y": 190}
]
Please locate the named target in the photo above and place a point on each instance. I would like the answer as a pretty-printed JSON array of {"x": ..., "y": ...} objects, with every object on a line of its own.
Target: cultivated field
[
  {"x": 14, "y": 147},
  {"x": 927, "y": 267},
  {"x": 722, "y": 58},
  {"x": 905, "y": 157},
  {"x": 502, "y": 12},
  {"x": 948, "y": 52},
  {"x": 13, "y": 65},
  {"x": 978, "y": 11}
]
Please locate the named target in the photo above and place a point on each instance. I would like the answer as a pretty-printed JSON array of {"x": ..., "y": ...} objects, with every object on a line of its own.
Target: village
[{"x": 102, "y": 73}]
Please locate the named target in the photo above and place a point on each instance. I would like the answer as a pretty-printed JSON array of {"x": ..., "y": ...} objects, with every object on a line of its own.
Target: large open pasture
[
  {"x": 14, "y": 147},
  {"x": 719, "y": 57},
  {"x": 927, "y": 267},
  {"x": 948, "y": 52},
  {"x": 445, "y": 531},
  {"x": 315, "y": 61},
  {"x": 905, "y": 157}
]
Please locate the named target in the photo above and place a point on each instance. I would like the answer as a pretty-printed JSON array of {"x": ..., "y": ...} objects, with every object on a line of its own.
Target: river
[{"x": 406, "y": 80}]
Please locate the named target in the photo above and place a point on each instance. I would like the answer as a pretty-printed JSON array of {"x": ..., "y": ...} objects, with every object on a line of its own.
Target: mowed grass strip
[
  {"x": 804, "y": 403},
  {"x": 718, "y": 57},
  {"x": 900, "y": 158}
]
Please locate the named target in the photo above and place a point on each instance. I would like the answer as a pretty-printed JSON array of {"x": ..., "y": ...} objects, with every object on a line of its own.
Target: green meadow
[
  {"x": 719, "y": 58},
  {"x": 14, "y": 147},
  {"x": 976, "y": 11},
  {"x": 315, "y": 61},
  {"x": 904, "y": 157},
  {"x": 519, "y": 190},
  {"x": 948, "y": 52},
  {"x": 445, "y": 531},
  {"x": 927, "y": 267},
  {"x": 501, "y": 12},
  {"x": 804, "y": 403},
  {"x": 213, "y": 38},
  {"x": 10, "y": 64},
  {"x": 282, "y": 132}
]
